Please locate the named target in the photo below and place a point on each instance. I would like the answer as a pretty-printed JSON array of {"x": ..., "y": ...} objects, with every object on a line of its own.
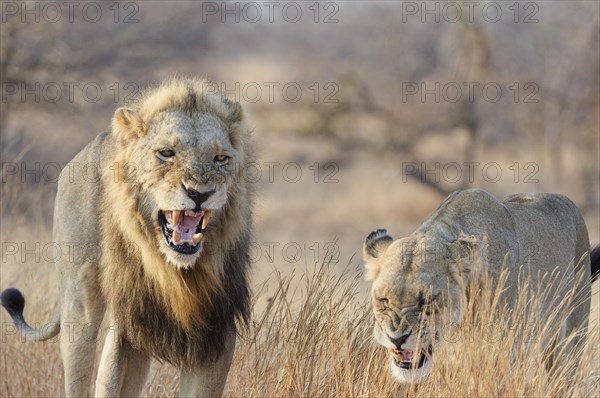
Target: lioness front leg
[
  {"x": 123, "y": 370},
  {"x": 209, "y": 379}
]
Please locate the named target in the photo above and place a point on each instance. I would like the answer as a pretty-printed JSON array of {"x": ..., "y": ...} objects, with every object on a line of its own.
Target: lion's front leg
[
  {"x": 209, "y": 379},
  {"x": 122, "y": 371}
]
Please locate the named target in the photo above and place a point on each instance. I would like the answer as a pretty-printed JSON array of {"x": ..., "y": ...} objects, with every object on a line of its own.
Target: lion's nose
[
  {"x": 198, "y": 197},
  {"x": 401, "y": 340}
]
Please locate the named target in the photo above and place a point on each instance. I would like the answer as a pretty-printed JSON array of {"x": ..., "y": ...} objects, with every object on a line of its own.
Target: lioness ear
[
  {"x": 375, "y": 246},
  {"x": 463, "y": 250},
  {"x": 127, "y": 124}
]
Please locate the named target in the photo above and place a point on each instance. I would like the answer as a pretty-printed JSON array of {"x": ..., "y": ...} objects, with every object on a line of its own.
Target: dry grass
[
  {"x": 314, "y": 339},
  {"x": 317, "y": 342}
]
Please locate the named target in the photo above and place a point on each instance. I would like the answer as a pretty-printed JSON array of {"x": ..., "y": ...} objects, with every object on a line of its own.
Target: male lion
[
  {"x": 416, "y": 277},
  {"x": 171, "y": 216}
]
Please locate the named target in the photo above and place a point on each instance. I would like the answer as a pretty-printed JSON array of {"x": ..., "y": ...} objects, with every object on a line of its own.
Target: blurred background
[{"x": 365, "y": 114}]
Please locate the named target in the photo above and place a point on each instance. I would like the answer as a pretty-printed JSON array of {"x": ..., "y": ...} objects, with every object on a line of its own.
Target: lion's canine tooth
[
  {"x": 176, "y": 216},
  {"x": 197, "y": 237},
  {"x": 176, "y": 236},
  {"x": 207, "y": 215}
]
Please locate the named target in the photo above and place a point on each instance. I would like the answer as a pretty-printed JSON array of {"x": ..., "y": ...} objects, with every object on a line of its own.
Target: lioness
[
  {"x": 171, "y": 217},
  {"x": 540, "y": 231}
]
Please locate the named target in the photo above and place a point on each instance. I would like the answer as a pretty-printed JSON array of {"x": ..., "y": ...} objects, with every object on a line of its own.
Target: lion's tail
[
  {"x": 595, "y": 262},
  {"x": 14, "y": 302}
]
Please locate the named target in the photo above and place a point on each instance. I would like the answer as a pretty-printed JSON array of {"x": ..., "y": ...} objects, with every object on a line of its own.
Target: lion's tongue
[{"x": 185, "y": 230}]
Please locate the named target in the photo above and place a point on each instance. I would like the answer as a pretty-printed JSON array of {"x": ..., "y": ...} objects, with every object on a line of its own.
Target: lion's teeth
[
  {"x": 176, "y": 236},
  {"x": 207, "y": 215},
  {"x": 197, "y": 237},
  {"x": 176, "y": 216}
]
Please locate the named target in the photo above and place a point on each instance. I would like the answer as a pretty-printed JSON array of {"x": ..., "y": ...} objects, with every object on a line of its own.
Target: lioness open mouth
[
  {"x": 405, "y": 359},
  {"x": 184, "y": 229}
]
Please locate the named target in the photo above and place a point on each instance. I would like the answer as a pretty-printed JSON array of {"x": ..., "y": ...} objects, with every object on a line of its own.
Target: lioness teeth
[
  {"x": 176, "y": 216},
  {"x": 197, "y": 238},
  {"x": 207, "y": 215},
  {"x": 176, "y": 236},
  {"x": 402, "y": 355}
]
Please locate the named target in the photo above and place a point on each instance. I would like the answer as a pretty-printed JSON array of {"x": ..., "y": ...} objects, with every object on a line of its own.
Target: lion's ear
[
  {"x": 464, "y": 251},
  {"x": 127, "y": 124},
  {"x": 375, "y": 246},
  {"x": 235, "y": 113}
]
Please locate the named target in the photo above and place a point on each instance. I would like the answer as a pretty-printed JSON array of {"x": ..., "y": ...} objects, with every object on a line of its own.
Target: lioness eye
[
  {"x": 426, "y": 303},
  {"x": 383, "y": 301},
  {"x": 422, "y": 301},
  {"x": 166, "y": 153},
  {"x": 221, "y": 158}
]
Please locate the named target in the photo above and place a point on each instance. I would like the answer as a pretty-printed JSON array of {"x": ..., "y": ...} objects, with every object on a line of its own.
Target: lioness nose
[
  {"x": 198, "y": 197},
  {"x": 401, "y": 340}
]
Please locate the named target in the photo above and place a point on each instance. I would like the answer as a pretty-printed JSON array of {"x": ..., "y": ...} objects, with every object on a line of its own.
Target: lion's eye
[
  {"x": 166, "y": 153},
  {"x": 384, "y": 302},
  {"x": 221, "y": 158}
]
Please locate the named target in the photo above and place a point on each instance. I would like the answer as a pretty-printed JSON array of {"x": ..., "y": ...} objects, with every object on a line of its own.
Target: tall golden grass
[
  {"x": 317, "y": 342},
  {"x": 313, "y": 338}
]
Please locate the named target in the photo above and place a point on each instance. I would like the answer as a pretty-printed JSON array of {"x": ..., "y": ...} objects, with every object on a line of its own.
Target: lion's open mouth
[
  {"x": 406, "y": 359},
  {"x": 184, "y": 229}
]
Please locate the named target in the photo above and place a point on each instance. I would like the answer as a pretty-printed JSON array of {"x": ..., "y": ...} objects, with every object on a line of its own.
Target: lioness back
[
  {"x": 553, "y": 237},
  {"x": 543, "y": 223}
]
